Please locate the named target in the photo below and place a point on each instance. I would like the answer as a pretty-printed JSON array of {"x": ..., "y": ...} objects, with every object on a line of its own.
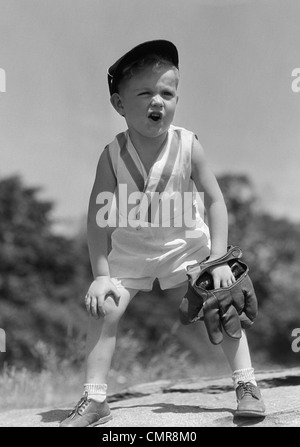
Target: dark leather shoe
[
  {"x": 87, "y": 413},
  {"x": 250, "y": 403}
]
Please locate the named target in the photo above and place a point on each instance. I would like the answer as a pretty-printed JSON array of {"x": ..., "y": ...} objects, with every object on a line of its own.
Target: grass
[
  {"x": 23, "y": 388},
  {"x": 60, "y": 384}
]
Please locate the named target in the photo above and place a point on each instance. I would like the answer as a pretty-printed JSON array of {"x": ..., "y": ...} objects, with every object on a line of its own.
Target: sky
[{"x": 236, "y": 61}]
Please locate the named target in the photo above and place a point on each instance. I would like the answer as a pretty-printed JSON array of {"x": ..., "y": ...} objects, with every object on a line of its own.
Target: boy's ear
[{"x": 117, "y": 104}]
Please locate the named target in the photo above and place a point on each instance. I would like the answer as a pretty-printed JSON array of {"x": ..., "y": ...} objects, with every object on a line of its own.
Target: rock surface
[{"x": 208, "y": 402}]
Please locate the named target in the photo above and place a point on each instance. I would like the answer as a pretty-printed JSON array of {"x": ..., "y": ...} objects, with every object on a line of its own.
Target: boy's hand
[
  {"x": 100, "y": 288},
  {"x": 223, "y": 309},
  {"x": 222, "y": 276}
]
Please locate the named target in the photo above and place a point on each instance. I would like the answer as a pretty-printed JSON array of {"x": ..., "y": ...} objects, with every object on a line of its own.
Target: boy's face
[{"x": 148, "y": 101}]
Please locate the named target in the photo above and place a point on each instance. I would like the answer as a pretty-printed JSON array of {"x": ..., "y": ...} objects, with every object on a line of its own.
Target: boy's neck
[{"x": 146, "y": 144}]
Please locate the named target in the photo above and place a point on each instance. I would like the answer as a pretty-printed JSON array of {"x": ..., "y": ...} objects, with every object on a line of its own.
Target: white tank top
[{"x": 164, "y": 197}]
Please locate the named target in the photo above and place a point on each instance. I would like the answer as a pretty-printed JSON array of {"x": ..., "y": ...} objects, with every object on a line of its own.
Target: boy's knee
[{"x": 113, "y": 311}]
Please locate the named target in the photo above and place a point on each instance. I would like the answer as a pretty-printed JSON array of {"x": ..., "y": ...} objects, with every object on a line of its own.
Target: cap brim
[{"x": 162, "y": 48}]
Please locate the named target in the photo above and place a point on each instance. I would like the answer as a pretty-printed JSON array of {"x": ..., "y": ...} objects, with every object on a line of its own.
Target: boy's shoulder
[
  {"x": 180, "y": 129},
  {"x": 118, "y": 142},
  {"x": 184, "y": 134}
]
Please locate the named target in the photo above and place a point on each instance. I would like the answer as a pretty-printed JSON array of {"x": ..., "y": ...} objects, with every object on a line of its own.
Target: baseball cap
[{"x": 162, "y": 48}]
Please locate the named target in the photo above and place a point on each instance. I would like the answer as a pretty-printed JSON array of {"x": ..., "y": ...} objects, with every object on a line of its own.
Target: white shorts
[{"x": 139, "y": 256}]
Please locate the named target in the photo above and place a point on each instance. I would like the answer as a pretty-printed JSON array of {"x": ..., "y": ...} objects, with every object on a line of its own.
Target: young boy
[{"x": 147, "y": 167}]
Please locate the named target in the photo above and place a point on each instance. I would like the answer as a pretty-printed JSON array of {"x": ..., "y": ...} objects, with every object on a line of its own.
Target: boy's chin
[
  {"x": 157, "y": 133},
  {"x": 151, "y": 131},
  {"x": 157, "y": 129}
]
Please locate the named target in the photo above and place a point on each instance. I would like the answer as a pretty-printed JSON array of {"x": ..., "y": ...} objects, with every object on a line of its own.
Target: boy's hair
[
  {"x": 154, "y": 61},
  {"x": 163, "y": 52}
]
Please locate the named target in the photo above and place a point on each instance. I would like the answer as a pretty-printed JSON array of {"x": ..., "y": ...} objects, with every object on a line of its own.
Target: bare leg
[
  {"x": 92, "y": 409},
  {"x": 237, "y": 352},
  {"x": 249, "y": 400},
  {"x": 101, "y": 338}
]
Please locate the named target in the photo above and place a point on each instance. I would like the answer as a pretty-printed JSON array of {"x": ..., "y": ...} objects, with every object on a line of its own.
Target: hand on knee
[
  {"x": 112, "y": 311},
  {"x": 99, "y": 291}
]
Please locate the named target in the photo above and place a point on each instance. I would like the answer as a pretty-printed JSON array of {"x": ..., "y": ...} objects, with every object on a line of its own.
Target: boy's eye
[
  {"x": 168, "y": 93},
  {"x": 165, "y": 94}
]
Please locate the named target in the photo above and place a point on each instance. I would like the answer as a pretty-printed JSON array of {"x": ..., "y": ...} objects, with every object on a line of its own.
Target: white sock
[
  {"x": 96, "y": 391},
  {"x": 243, "y": 375}
]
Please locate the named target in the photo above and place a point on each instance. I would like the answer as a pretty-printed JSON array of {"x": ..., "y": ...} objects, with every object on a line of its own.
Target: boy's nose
[{"x": 157, "y": 100}]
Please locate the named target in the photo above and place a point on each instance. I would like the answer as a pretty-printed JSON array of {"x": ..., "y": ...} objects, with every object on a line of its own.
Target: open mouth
[{"x": 155, "y": 116}]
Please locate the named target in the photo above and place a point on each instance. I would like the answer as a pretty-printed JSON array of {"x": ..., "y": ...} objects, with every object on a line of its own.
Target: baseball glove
[{"x": 227, "y": 308}]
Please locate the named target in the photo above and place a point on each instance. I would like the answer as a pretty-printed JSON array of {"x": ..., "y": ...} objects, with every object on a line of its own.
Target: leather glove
[{"x": 226, "y": 309}]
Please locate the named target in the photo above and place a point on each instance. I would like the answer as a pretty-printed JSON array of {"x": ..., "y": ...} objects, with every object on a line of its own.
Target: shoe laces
[
  {"x": 248, "y": 388},
  {"x": 81, "y": 405}
]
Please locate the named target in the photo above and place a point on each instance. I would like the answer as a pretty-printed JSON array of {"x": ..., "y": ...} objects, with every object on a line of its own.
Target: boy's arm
[
  {"x": 206, "y": 182},
  {"x": 97, "y": 241},
  {"x": 214, "y": 203},
  {"x": 97, "y": 237}
]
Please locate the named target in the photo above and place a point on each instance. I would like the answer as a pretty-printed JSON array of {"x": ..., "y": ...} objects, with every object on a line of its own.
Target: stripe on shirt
[
  {"x": 110, "y": 161},
  {"x": 129, "y": 162},
  {"x": 166, "y": 173}
]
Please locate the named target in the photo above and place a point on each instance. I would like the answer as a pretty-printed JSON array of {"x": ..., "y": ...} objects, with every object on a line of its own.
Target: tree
[
  {"x": 40, "y": 278},
  {"x": 271, "y": 248}
]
